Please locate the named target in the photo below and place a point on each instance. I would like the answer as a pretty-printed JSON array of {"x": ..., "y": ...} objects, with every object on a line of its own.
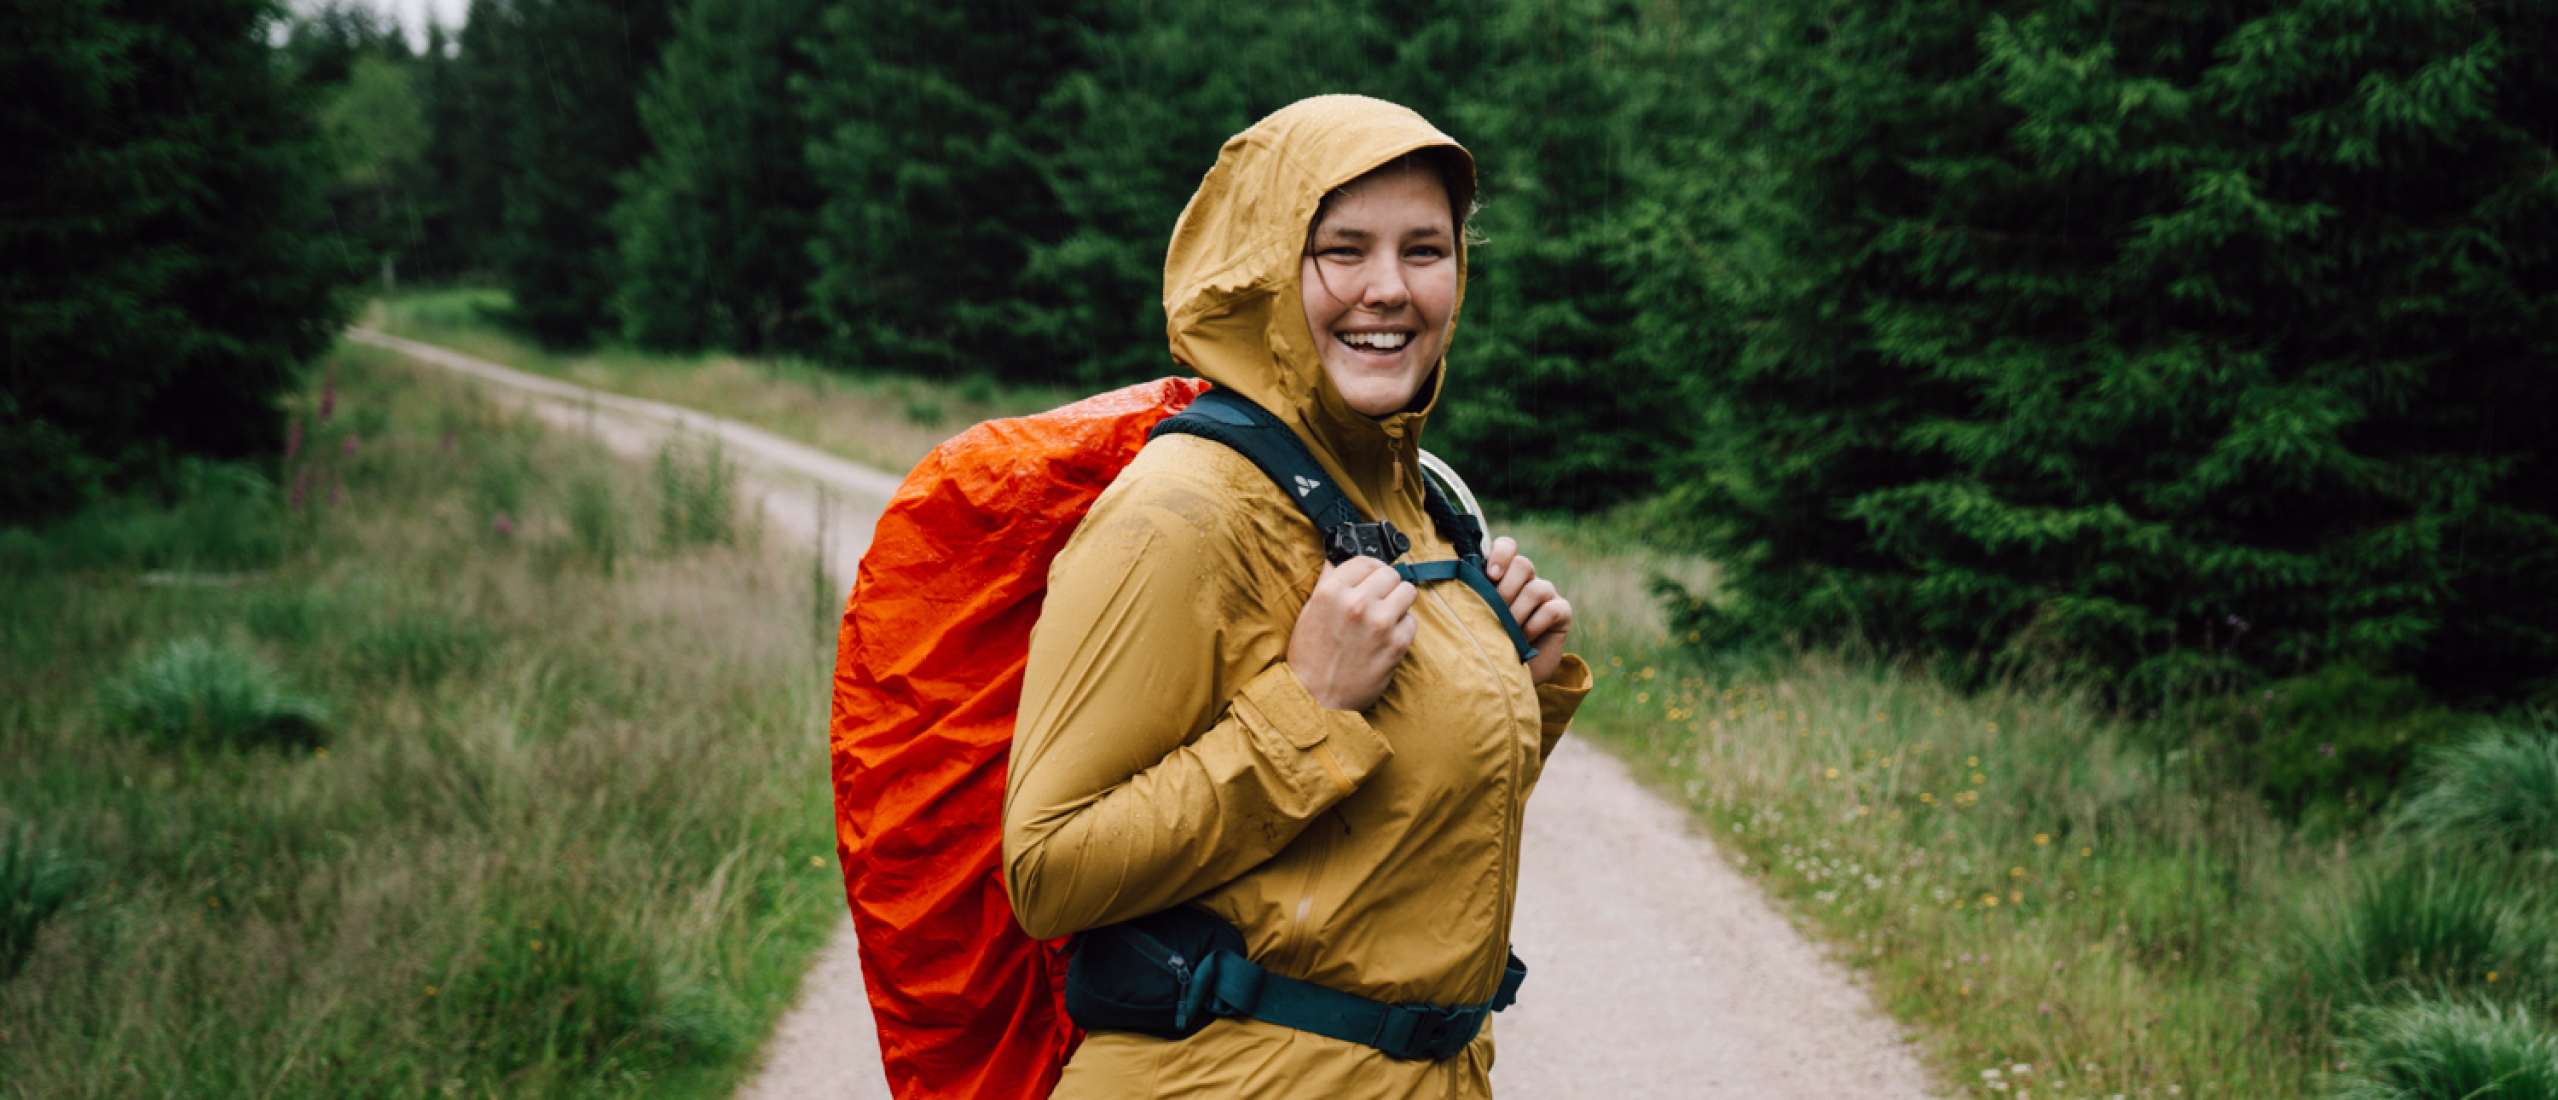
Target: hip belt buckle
[{"x": 1427, "y": 1032}]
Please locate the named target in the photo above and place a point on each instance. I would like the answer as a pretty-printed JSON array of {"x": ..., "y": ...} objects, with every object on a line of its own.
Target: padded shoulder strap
[{"x": 1251, "y": 431}]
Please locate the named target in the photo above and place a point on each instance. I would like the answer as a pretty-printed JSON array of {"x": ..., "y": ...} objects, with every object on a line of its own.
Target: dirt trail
[{"x": 1656, "y": 971}]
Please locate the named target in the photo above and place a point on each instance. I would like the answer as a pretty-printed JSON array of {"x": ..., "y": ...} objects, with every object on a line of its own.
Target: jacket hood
[{"x": 1231, "y": 299}]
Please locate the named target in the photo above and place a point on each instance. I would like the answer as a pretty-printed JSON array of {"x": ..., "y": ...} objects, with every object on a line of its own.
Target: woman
[{"x": 1330, "y": 760}]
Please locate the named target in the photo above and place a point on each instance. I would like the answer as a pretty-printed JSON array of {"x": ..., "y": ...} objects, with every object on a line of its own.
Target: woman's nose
[{"x": 1384, "y": 288}]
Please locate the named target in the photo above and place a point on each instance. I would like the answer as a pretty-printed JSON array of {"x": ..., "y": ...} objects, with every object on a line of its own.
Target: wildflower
[
  {"x": 1833, "y": 773},
  {"x": 1971, "y": 762},
  {"x": 301, "y": 489},
  {"x": 1989, "y": 901},
  {"x": 329, "y": 394},
  {"x": 2044, "y": 1009},
  {"x": 537, "y": 945},
  {"x": 503, "y": 524},
  {"x": 293, "y": 439},
  {"x": 2084, "y": 853},
  {"x": 430, "y": 991},
  {"x": 1990, "y": 1074},
  {"x": 2016, "y": 897},
  {"x": 352, "y": 442},
  {"x": 2491, "y": 975},
  {"x": 1992, "y": 727},
  {"x": 2326, "y": 750},
  {"x": 1641, "y": 697},
  {"x": 2041, "y": 839},
  {"x": 817, "y": 861},
  {"x": 2021, "y": 1068}
]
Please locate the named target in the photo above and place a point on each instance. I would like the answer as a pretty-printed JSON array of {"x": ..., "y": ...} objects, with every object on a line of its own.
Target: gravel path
[{"x": 1656, "y": 971}]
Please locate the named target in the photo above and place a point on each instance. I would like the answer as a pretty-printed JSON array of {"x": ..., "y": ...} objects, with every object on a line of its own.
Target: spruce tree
[
  {"x": 165, "y": 258},
  {"x": 1553, "y": 404},
  {"x": 575, "y": 69},
  {"x": 714, "y": 224},
  {"x": 931, "y": 154},
  {"x": 2181, "y": 345}
]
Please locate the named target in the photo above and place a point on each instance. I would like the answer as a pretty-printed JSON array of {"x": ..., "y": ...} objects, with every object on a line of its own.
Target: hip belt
[{"x": 1170, "y": 974}]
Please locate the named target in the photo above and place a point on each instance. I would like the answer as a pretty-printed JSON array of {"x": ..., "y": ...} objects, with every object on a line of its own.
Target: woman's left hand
[{"x": 1543, "y": 614}]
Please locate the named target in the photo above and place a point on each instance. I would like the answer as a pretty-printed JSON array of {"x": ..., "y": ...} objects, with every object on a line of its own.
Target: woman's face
[{"x": 1380, "y": 281}]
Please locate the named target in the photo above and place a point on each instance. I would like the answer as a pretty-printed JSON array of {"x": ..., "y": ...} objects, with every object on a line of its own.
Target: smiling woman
[{"x": 1324, "y": 762}]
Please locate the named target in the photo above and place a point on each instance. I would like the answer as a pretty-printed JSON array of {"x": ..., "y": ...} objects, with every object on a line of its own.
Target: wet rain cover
[{"x": 928, "y": 674}]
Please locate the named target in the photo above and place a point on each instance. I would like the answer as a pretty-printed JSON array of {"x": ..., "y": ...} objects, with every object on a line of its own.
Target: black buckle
[
  {"x": 1438, "y": 1032},
  {"x": 1375, "y": 540}
]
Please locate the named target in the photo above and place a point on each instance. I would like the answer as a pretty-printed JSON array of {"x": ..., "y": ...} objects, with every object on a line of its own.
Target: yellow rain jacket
[{"x": 1166, "y": 754}]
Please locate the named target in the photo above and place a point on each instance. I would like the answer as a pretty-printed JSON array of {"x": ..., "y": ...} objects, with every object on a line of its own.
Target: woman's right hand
[{"x": 1353, "y": 632}]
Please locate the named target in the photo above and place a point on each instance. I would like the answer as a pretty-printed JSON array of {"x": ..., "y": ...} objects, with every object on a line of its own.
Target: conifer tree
[
  {"x": 165, "y": 261},
  {"x": 1555, "y": 404},
  {"x": 575, "y": 69},
  {"x": 715, "y": 223},
  {"x": 2180, "y": 344},
  {"x": 931, "y": 156}
]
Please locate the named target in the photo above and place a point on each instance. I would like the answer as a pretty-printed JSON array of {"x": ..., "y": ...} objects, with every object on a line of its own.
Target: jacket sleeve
[
  {"x": 1559, "y": 698},
  {"x": 1149, "y": 764}
]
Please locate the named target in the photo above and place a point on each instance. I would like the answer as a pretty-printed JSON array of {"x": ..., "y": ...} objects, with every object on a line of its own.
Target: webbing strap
[
  {"x": 1255, "y": 433},
  {"x": 1231, "y": 985},
  {"x": 1471, "y": 572}
]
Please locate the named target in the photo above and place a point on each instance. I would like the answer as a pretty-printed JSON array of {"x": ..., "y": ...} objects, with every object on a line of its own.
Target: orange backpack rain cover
[{"x": 928, "y": 670}]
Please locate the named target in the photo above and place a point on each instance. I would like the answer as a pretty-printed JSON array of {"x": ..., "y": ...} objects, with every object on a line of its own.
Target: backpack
[{"x": 928, "y": 677}]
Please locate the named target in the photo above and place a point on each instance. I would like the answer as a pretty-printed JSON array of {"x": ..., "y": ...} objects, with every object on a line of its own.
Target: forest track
[{"x": 1657, "y": 971}]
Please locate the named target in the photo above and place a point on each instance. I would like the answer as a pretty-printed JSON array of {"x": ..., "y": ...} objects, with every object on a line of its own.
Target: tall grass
[
  {"x": 2449, "y": 1052},
  {"x": 193, "y": 692},
  {"x": 568, "y": 834},
  {"x": 2498, "y": 790}
]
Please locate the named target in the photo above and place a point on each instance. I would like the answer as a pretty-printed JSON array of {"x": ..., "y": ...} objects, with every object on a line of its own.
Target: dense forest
[{"x": 2174, "y": 347}]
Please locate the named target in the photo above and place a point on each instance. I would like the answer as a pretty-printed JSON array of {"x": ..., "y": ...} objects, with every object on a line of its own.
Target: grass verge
[
  {"x": 886, "y": 420},
  {"x": 429, "y": 772}
]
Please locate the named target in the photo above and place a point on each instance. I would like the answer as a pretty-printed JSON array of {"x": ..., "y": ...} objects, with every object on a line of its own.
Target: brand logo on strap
[{"x": 1307, "y": 485}]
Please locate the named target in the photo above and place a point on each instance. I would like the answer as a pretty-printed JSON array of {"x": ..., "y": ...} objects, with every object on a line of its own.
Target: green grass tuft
[
  {"x": 36, "y": 881},
  {"x": 195, "y": 693},
  {"x": 2496, "y": 790},
  {"x": 2421, "y": 928},
  {"x": 2437, "y": 1051}
]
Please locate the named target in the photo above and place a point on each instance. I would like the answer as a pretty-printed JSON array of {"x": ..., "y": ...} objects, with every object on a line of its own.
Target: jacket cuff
[
  {"x": 1560, "y": 697},
  {"x": 1340, "y": 742}
]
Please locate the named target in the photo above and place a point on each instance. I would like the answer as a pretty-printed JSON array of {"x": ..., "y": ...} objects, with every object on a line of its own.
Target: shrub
[
  {"x": 2331, "y": 747},
  {"x": 36, "y": 881},
  {"x": 2435, "y": 1051},
  {"x": 2496, "y": 790},
  {"x": 195, "y": 693}
]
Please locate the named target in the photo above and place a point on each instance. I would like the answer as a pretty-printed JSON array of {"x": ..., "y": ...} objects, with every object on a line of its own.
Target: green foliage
[
  {"x": 2330, "y": 747},
  {"x": 2181, "y": 346},
  {"x": 197, "y": 693},
  {"x": 217, "y": 518},
  {"x": 2423, "y": 929},
  {"x": 696, "y": 495},
  {"x": 168, "y": 259},
  {"x": 574, "y": 69},
  {"x": 714, "y": 224},
  {"x": 2430, "y": 1051},
  {"x": 1552, "y": 402},
  {"x": 2497, "y": 791},
  {"x": 929, "y": 148},
  {"x": 36, "y": 881}
]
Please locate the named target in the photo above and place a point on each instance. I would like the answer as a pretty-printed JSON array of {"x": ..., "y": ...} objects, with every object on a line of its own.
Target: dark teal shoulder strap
[{"x": 1252, "y": 431}]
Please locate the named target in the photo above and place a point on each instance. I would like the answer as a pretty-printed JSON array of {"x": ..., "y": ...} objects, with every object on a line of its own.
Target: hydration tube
[{"x": 1439, "y": 471}]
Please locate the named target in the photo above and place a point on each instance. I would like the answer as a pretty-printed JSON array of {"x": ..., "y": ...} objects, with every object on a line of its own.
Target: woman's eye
[{"x": 1425, "y": 252}]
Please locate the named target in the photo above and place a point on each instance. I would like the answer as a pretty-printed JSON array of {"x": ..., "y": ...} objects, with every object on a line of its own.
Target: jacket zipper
[{"x": 1510, "y": 784}]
